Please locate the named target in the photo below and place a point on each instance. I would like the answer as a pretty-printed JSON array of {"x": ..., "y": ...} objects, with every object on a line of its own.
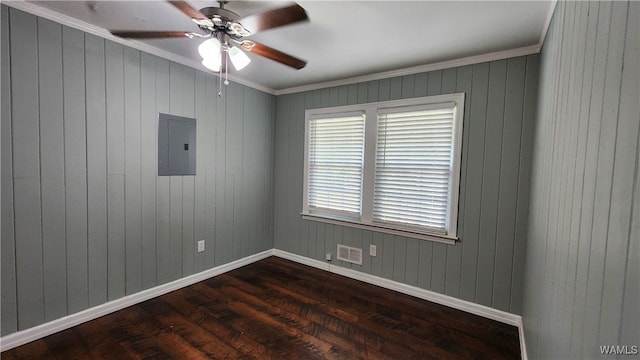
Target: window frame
[{"x": 371, "y": 112}]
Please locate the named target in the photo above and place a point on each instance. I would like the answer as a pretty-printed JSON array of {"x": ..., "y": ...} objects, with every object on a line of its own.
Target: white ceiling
[{"x": 343, "y": 39}]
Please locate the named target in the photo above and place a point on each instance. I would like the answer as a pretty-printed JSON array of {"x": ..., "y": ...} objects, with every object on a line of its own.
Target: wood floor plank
[
  {"x": 269, "y": 318},
  {"x": 387, "y": 315},
  {"x": 326, "y": 317},
  {"x": 194, "y": 341},
  {"x": 278, "y": 309},
  {"x": 356, "y": 294},
  {"x": 200, "y": 316}
]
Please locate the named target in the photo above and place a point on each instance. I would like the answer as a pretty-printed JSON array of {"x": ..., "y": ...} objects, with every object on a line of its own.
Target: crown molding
[
  {"x": 470, "y": 60},
  {"x": 476, "y": 59},
  {"x": 60, "y": 18},
  {"x": 547, "y": 23},
  {"x": 101, "y": 32}
]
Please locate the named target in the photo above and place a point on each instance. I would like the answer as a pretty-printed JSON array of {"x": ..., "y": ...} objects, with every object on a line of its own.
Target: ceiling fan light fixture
[
  {"x": 238, "y": 58},
  {"x": 212, "y": 64},
  {"x": 210, "y": 50}
]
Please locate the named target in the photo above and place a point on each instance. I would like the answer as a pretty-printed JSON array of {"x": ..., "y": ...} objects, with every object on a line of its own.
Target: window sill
[{"x": 421, "y": 236}]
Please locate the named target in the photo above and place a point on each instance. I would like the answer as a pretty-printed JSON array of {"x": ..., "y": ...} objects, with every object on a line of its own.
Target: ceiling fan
[{"x": 226, "y": 33}]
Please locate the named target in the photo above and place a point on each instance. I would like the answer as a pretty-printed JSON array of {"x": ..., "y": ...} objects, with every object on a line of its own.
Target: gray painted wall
[
  {"x": 583, "y": 252},
  {"x": 85, "y": 219},
  {"x": 487, "y": 266}
]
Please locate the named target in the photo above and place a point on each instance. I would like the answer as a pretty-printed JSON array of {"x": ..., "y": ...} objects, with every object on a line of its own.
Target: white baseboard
[
  {"x": 467, "y": 306},
  {"x": 22, "y": 337},
  {"x": 523, "y": 345},
  {"x": 25, "y": 336}
]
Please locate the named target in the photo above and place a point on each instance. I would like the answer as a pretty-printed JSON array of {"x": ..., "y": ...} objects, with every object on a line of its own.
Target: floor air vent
[{"x": 350, "y": 254}]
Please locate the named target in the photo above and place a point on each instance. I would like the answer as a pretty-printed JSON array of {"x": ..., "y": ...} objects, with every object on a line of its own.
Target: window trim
[{"x": 371, "y": 111}]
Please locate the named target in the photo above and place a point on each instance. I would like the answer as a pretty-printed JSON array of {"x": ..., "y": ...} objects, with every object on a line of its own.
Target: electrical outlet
[
  {"x": 372, "y": 250},
  {"x": 201, "y": 246},
  {"x": 328, "y": 257}
]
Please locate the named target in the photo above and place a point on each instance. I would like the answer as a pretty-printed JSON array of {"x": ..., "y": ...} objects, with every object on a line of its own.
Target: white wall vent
[{"x": 350, "y": 254}]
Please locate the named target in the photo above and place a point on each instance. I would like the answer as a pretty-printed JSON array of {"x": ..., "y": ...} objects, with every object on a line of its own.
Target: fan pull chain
[
  {"x": 220, "y": 79},
  {"x": 226, "y": 67}
]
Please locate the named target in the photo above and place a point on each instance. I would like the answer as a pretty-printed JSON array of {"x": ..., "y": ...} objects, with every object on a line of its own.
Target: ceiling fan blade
[
  {"x": 274, "y": 18},
  {"x": 278, "y": 56},
  {"x": 150, "y": 34},
  {"x": 194, "y": 14}
]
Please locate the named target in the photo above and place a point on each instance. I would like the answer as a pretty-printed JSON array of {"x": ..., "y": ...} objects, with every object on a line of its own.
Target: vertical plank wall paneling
[
  {"x": 95, "y": 93},
  {"x": 132, "y": 165},
  {"x": 27, "y": 205},
  {"x": 53, "y": 168},
  {"x": 75, "y": 165},
  {"x": 200, "y": 112},
  {"x": 93, "y": 221},
  {"x": 582, "y": 260},
  {"x": 148, "y": 156},
  {"x": 485, "y": 267},
  {"x": 8, "y": 301},
  {"x": 116, "y": 260}
]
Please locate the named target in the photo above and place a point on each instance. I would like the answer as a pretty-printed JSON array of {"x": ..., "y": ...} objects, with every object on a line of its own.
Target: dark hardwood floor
[{"x": 277, "y": 309}]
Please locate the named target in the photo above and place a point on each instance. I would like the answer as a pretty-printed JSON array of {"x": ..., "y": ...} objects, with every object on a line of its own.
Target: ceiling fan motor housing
[
  {"x": 225, "y": 20},
  {"x": 224, "y": 14}
]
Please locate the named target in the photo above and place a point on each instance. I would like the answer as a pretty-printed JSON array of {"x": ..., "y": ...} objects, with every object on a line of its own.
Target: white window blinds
[
  {"x": 335, "y": 164},
  {"x": 413, "y": 167}
]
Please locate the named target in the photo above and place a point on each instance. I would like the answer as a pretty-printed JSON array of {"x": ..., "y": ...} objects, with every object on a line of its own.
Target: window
[
  {"x": 389, "y": 166},
  {"x": 336, "y": 158}
]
